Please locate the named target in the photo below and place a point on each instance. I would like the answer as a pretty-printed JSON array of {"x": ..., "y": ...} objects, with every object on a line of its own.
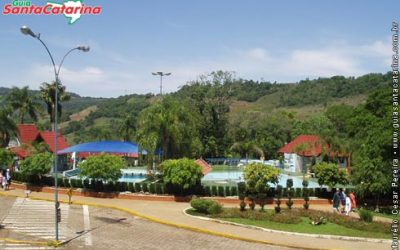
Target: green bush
[
  {"x": 104, "y": 166},
  {"x": 234, "y": 191},
  {"x": 86, "y": 183},
  {"x": 145, "y": 187},
  {"x": 110, "y": 186},
  {"x": 60, "y": 182},
  {"x": 152, "y": 188},
  {"x": 98, "y": 185},
  {"x": 207, "y": 191},
  {"x": 131, "y": 187},
  {"x": 221, "y": 191},
  {"x": 47, "y": 181},
  {"x": 182, "y": 176},
  {"x": 138, "y": 187},
  {"x": 215, "y": 208},
  {"x": 206, "y": 206},
  {"x": 227, "y": 191},
  {"x": 311, "y": 192},
  {"x": 214, "y": 191},
  {"x": 298, "y": 193},
  {"x": 366, "y": 215},
  {"x": 159, "y": 188},
  {"x": 124, "y": 187},
  {"x": 66, "y": 183}
]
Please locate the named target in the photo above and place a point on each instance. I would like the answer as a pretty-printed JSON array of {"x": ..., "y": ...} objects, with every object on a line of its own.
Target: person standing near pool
[
  {"x": 353, "y": 200},
  {"x": 336, "y": 201}
]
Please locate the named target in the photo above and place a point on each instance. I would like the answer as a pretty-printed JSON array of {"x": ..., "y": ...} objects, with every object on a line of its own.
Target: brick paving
[{"x": 172, "y": 212}]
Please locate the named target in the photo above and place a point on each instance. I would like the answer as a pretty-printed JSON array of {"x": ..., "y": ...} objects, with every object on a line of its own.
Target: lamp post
[
  {"x": 27, "y": 31},
  {"x": 161, "y": 74}
]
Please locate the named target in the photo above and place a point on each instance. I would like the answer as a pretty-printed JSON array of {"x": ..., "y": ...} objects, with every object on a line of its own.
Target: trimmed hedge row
[{"x": 158, "y": 188}]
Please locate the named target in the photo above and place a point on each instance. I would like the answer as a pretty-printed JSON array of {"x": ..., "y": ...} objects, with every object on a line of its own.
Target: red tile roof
[
  {"x": 27, "y": 133},
  {"x": 204, "y": 165},
  {"x": 312, "y": 146},
  {"x": 48, "y": 137},
  {"x": 20, "y": 152}
]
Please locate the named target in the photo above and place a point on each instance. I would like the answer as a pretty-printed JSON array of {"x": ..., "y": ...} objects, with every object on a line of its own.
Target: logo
[{"x": 71, "y": 9}]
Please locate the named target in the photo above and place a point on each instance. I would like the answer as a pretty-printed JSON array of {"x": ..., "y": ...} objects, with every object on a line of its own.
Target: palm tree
[
  {"x": 127, "y": 126},
  {"x": 24, "y": 102},
  {"x": 8, "y": 128},
  {"x": 247, "y": 148},
  {"x": 48, "y": 95}
]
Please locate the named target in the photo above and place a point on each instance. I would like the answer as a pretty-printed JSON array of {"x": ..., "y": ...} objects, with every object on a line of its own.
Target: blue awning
[{"x": 104, "y": 147}]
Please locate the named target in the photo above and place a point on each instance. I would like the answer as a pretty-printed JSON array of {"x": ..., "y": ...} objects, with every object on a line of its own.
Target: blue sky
[{"x": 283, "y": 41}]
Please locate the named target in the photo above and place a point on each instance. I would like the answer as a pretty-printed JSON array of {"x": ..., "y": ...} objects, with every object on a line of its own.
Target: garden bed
[{"x": 299, "y": 221}]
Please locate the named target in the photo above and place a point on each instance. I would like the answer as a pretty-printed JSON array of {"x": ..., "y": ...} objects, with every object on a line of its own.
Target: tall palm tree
[
  {"x": 48, "y": 94},
  {"x": 8, "y": 128},
  {"x": 127, "y": 126},
  {"x": 24, "y": 103},
  {"x": 245, "y": 148}
]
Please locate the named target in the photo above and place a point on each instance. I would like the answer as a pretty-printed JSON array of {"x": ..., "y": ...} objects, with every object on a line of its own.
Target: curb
[
  {"x": 323, "y": 236},
  {"x": 152, "y": 219}
]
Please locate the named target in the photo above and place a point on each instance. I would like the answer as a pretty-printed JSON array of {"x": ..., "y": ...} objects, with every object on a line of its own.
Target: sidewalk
[{"x": 171, "y": 213}]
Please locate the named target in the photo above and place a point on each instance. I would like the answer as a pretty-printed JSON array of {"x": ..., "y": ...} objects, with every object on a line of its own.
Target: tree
[
  {"x": 257, "y": 177},
  {"x": 247, "y": 148},
  {"x": 181, "y": 176},
  {"x": 37, "y": 165},
  {"x": 22, "y": 101},
  {"x": 127, "y": 127},
  {"x": 48, "y": 94},
  {"x": 104, "y": 167},
  {"x": 6, "y": 158},
  {"x": 172, "y": 126},
  {"x": 8, "y": 128},
  {"x": 330, "y": 175}
]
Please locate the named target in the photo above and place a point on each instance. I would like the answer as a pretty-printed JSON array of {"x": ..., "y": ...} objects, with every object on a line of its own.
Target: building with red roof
[
  {"x": 29, "y": 134},
  {"x": 309, "y": 149}
]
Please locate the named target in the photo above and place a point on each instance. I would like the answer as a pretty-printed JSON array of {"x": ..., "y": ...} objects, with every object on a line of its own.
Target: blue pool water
[{"x": 139, "y": 174}]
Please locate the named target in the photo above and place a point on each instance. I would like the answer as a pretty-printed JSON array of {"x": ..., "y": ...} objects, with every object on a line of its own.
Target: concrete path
[{"x": 171, "y": 213}]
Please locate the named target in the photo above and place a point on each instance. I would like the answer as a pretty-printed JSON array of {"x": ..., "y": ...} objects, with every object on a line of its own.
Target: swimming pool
[{"x": 217, "y": 175}]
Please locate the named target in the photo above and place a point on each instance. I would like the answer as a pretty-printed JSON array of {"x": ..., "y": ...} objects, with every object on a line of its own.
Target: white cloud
[{"x": 119, "y": 74}]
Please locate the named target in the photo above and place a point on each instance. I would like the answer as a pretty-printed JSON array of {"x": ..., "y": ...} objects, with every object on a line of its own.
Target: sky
[{"x": 283, "y": 41}]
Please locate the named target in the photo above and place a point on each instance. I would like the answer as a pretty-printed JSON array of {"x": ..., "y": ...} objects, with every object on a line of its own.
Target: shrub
[
  {"x": 214, "y": 191},
  {"x": 242, "y": 205},
  {"x": 131, "y": 187},
  {"x": 298, "y": 193},
  {"x": 207, "y": 191},
  {"x": 215, "y": 208},
  {"x": 152, "y": 188},
  {"x": 124, "y": 187},
  {"x": 37, "y": 165},
  {"x": 110, "y": 186},
  {"x": 98, "y": 185},
  {"x": 181, "y": 176},
  {"x": 67, "y": 182},
  {"x": 86, "y": 183},
  {"x": 104, "y": 166},
  {"x": 311, "y": 192},
  {"x": 159, "y": 188},
  {"x": 366, "y": 215},
  {"x": 227, "y": 191},
  {"x": 47, "y": 181},
  {"x": 60, "y": 182},
  {"x": 138, "y": 187},
  {"x": 206, "y": 206},
  {"x": 221, "y": 191},
  {"x": 145, "y": 187},
  {"x": 234, "y": 191},
  {"x": 241, "y": 188}
]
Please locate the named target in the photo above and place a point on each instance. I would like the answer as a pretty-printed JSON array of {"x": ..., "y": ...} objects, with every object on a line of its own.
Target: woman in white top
[{"x": 348, "y": 205}]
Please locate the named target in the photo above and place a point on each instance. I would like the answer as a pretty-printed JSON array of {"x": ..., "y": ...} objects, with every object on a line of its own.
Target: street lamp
[
  {"x": 161, "y": 74},
  {"x": 27, "y": 31}
]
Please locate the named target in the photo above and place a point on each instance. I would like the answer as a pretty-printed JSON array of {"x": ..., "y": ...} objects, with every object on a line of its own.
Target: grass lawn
[
  {"x": 386, "y": 215},
  {"x": 266, "y": 220},
  {"x": 305, "y": 227}
]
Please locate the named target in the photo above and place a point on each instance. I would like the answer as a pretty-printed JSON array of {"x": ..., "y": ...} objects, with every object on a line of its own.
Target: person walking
[
  {"x": 342, "y": 197},
  {"x": 8, "y": 177},
  {"x": 336, "y": 201},
  {"x": 4, "y": 181},
  {"x": 353, "y": 201},
  {"x": 348, "y": 205}
]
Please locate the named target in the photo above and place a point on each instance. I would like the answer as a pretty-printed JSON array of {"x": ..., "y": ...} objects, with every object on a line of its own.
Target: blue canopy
[{"x": 104, "y": 146}]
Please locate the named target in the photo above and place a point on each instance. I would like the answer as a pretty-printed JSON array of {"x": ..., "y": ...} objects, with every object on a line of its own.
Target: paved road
[{"x": 85, "y": 227}]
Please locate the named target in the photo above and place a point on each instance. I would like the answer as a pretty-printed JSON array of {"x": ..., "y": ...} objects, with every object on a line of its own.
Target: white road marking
[{"x": 86, "y": 225}]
